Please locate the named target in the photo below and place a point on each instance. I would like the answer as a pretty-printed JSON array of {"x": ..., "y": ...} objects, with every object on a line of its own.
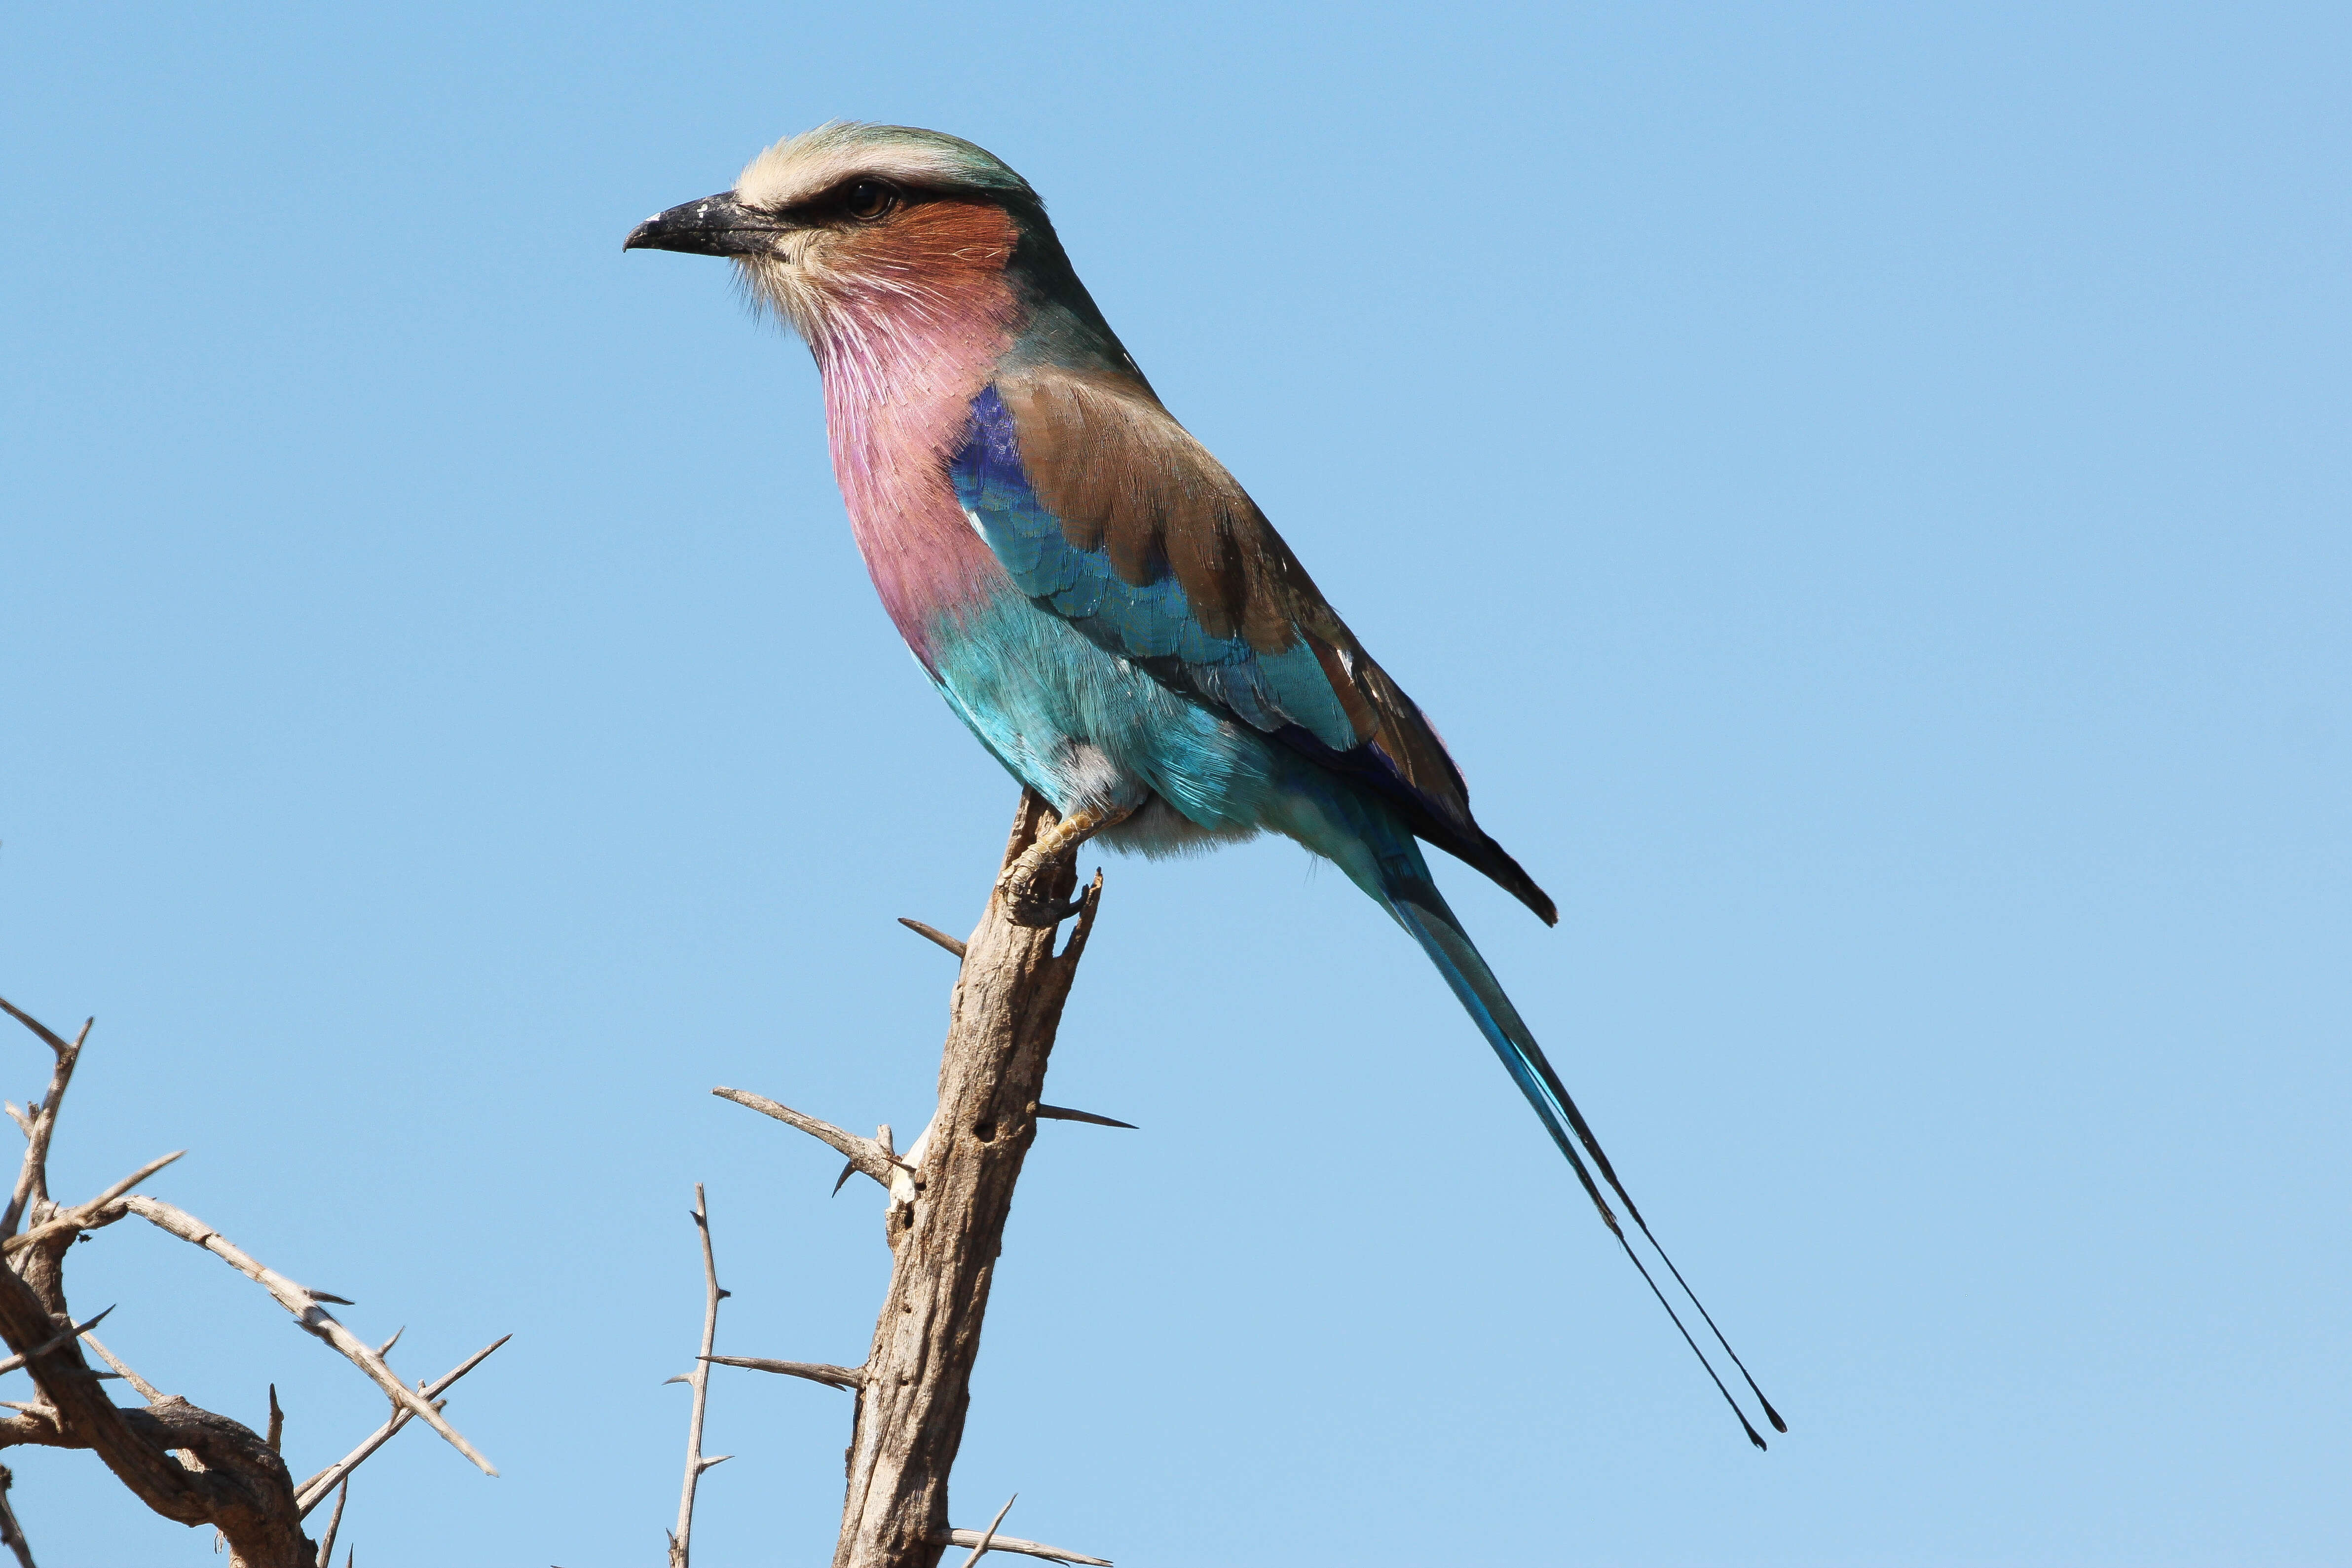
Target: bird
[{"x": 1094, "y": 595}]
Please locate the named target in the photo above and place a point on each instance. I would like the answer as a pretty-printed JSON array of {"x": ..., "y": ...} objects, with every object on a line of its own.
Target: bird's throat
[{"x": 899, "y": 374}]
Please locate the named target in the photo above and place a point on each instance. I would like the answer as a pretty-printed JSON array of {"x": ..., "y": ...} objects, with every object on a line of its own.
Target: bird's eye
[{"x": 869, "y": 199}]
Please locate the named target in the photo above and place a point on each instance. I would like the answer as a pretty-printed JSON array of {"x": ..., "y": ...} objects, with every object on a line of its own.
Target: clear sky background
[{"x": 1861, "y": 489}]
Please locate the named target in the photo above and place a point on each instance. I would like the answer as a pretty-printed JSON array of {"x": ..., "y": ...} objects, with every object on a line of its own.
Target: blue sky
[{"x": 1862, "y": 490}]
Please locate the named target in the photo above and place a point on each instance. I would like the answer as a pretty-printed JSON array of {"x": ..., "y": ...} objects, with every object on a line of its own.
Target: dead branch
[
  {"x": 312, "y": 1492},
  {"x": 988, "y": 1536},
  {"x": 147, "y": 1391},
  {"x": 334, "y": 1521},
  {"x": 872, "y": 1156},
  {"x": 305, "y": 1304},
  {"x": 32, "y": 1180},
  {"x": 1025, "y": 1548},
  {"x": 85, "y": 1217},
  {"x": 950, "y": 1196},
  {"x": 12, "y": 1534},
  {"x": 223, "y": 1475},
  {"x": 243, "y": 1488},
  {"x": 681, "y": 1539},
  {"x": 14, "y": 1362}
]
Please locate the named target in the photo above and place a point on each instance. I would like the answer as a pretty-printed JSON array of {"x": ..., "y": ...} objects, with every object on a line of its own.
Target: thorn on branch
[
  {"x": 313, "y": 1318},
  {"x": 1064, "y": 1113},
  {"x": 849, "y": 1377},
  {"x": 862, "y": 1153},
  {"x": 681, "y": 1540},
  {"x": 312, "y": 1492},
  {"x": 46, "y": 1346},
  {"x": 934, "y": 933}
]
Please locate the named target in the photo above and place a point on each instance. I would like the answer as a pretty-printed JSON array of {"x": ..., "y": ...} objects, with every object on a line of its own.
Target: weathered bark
[
  {"x": 945, "y": 1224},
  {"x": 223, "y": 1474},
  {"x": 243, "y": 1488}
]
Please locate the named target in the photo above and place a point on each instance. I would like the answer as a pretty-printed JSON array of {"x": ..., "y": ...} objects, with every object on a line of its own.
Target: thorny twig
[
  {"x": 224, "y": 1474},
  {"x": 681, "y": 1539},
  {"x": 305, "y": 1304},
  {"x": 312, "y": 1492}
]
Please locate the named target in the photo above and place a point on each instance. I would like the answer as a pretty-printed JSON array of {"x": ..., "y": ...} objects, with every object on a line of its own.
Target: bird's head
[{"x": 850, "y": 232}]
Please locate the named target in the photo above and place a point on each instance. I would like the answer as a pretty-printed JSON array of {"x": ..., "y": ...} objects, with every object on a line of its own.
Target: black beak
[{"x": 714, "y": 226}]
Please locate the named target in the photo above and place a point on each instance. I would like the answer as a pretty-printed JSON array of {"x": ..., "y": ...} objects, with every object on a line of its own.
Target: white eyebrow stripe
[{"x": 802, "y": 166}]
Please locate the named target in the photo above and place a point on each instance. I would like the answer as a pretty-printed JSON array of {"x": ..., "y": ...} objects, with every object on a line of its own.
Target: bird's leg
[{"x": 1024, "y": 904}]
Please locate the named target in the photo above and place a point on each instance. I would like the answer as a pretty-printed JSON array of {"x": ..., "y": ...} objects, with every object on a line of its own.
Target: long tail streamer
[{"x": 1421, "y": 910}]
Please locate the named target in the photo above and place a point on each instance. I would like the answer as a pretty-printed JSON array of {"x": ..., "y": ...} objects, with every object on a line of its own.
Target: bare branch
[
  {"x": 334, "y": 1521},
  {"x": 990, "y": 1533},
  {"x": 850, "y": 1378},
  {"x": 85, "y": 1418},
  {"x": 14, "y": 1362},
  {"x": 312, "y": 1492},
  {"x": 12, "y": 1534},
  {"x": 946, "y": 1236},
  {"x": 33, "y": 1179},
  {"x": 147, "y": 1391},
  {"x": 681, "y": 1540},
  {"x": 1025, "y": 1548},
  {"x": 86, "y": 1216},
  {"x": 277, "y": 1423},
  {"x": 314, "y": 1317},
  {"x": 937, "y": 935},
  {"x": 36, "y": 1423},
  {"x": 865, "y": 1154},
  {"x": 55, "y": 1044}
]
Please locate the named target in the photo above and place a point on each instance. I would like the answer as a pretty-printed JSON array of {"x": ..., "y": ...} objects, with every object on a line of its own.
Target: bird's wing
[{"x": 1104, "y": 510}]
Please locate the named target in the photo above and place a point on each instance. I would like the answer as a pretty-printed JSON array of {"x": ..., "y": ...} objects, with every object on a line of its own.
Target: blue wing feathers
[
  {"x": 1149, "y": 621},
  {"x": 1279, "y": 684}
]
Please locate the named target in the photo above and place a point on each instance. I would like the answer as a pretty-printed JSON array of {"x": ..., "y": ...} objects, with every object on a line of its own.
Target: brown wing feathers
[{"x": 1124, "y": 477}]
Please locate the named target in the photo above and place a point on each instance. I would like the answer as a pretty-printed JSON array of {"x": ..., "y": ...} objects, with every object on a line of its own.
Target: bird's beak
[{"x": 714, "y": 226}]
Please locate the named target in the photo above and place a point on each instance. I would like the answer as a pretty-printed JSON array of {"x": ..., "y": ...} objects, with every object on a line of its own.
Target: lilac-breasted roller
[{"x": 1092, "y": 593}]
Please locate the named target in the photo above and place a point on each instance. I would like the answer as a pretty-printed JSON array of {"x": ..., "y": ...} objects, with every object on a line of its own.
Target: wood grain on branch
[
  {"x": 945, "y": 1224},
  {"x": 243, "y": 1488}
]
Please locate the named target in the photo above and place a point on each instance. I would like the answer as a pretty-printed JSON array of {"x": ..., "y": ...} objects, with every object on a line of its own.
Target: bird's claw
[{"x": 1024, "y": 905}]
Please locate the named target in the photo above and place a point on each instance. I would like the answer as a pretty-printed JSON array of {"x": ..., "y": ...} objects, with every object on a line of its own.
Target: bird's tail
[{"x": 1417, "y": 906}]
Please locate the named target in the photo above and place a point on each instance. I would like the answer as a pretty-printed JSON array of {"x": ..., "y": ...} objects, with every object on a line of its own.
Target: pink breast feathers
[{"x": 909, "y": 328}]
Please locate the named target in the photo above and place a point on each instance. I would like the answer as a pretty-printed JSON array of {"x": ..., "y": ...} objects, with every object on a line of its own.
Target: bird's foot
[{"x": 1026, "y": 904}]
